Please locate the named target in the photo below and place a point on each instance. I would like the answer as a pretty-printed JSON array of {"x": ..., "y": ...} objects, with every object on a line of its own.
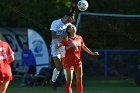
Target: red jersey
[
  {"x": 5, "y": 53},
  {"x": 73, "y": 49}
]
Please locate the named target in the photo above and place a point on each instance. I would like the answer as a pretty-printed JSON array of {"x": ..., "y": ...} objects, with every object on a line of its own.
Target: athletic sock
[
  {"x": 79, "y": 86},
  {"x": 68, "y": 87},
  {"x": 55, "y": 75}
]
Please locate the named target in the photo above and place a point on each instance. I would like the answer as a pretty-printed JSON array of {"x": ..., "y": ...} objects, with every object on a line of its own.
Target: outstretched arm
[{"x": 88, "y": 51}]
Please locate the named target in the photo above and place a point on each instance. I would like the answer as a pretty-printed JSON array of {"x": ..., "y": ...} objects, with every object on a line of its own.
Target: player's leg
[
  {"x": 79, "y": 74},
  {"x": 69, "y": 73},
  {"x": 55, "y": 53},
  {"x": 63, "y": 60},
  {"x": 65, "y": 73},
  {"x": 23, "y": 81},
  {"x": 56, "y": 72},
  {"x": 56, "y": 56},
  {"x": 24, "y": 78},
  {"x": 4, "y": 85},
  {"x": 57, "y": 69}
]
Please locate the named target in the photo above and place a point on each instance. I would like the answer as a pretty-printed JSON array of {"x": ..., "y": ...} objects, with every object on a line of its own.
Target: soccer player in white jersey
[{"x": 58, "y": 29}]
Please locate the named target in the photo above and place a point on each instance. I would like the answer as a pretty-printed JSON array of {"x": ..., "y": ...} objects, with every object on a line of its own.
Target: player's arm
[
  {"x": 54, "y": 35},
  {"x": 11, "y": 58},
  {"x": 62, "y": 43},
  {"x": 87, "y": 49},
  {"x": 11, "y": 54}
]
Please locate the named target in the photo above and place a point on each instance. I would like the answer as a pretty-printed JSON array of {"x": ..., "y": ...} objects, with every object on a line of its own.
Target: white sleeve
[{"x": 53, "y": 26}]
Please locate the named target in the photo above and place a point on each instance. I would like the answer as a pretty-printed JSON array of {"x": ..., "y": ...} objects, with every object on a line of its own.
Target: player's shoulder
[
  {"x": 56, "y": 21},
  {"x": 4, "y": 43},
  {"x": 78, "y": 36}
]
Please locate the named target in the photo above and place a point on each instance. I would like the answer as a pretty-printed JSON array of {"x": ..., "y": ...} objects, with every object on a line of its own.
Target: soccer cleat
[{"x": 53, "y": 85}]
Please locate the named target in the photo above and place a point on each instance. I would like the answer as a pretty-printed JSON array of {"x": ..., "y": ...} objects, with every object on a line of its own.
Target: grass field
[{"x": 90, "y": 86}]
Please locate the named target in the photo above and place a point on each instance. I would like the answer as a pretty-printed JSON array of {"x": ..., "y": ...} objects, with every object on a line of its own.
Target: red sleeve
[
  {"x": 63, "y": 42},
  {"x": 9, "y": 50}
]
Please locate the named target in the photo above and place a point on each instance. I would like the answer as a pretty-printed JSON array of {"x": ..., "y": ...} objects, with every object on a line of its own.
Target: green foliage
[{"x": 38, "y": 14}]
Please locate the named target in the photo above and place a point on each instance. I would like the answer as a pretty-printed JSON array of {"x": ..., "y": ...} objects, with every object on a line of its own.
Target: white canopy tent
[{"x": 16, "y": 36}]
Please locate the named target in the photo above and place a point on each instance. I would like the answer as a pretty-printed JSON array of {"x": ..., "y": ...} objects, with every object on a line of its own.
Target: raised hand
[{"x": 95, "y": 53}]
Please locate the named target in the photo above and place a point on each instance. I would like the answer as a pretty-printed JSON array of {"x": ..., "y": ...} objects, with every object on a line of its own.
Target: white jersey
[{"x": 60, "y": 28}]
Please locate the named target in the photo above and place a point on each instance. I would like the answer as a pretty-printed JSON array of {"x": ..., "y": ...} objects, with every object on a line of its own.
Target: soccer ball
[{"x": 82, "y": 5}]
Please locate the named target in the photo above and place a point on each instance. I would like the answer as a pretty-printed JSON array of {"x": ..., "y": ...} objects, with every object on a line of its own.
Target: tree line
[{"x": 38, "y": 14}]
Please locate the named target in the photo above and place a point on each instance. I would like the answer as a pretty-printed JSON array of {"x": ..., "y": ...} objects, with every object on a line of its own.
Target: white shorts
[{"x": 60, "y": 52}]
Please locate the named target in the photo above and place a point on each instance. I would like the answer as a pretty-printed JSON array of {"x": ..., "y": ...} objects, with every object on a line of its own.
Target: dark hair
[
  {"x": 25, "y": 43},
  {"x": 73, "y": 8},
  {"x": 67, "y": 30},
  {"x": 72, "y": 11},
  {"x": 68, "y": 33},
  {"x": 70, "y": 14}
]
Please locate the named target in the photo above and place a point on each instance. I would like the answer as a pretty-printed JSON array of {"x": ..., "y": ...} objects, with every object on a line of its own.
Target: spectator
[{"x": 28, "y": 62}]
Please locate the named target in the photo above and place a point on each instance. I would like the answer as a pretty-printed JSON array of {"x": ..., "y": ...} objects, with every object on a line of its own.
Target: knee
[
  {"x": 3, "y": 89},
  {"x": 58, "y": 68},
  {"x": 79, "y": 78},
  {"x": 69, "y": 80}
]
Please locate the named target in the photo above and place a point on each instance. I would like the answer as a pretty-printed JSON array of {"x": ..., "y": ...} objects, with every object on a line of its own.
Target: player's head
[
  {"x": 71, "y": 29},
  {"x": 69, "y": 17},
  {"x": 25, "y": 46}
]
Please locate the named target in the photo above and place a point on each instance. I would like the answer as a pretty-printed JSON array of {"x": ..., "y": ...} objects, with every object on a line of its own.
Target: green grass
[{"x": 90, "y": 86}]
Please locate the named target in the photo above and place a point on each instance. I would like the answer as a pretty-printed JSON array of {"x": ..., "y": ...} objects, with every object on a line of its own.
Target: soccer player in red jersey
[
  {"x": 58, "y": 29},
  {"x": 73, "y": 61},
  {"x": 6, "y": 57}
]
